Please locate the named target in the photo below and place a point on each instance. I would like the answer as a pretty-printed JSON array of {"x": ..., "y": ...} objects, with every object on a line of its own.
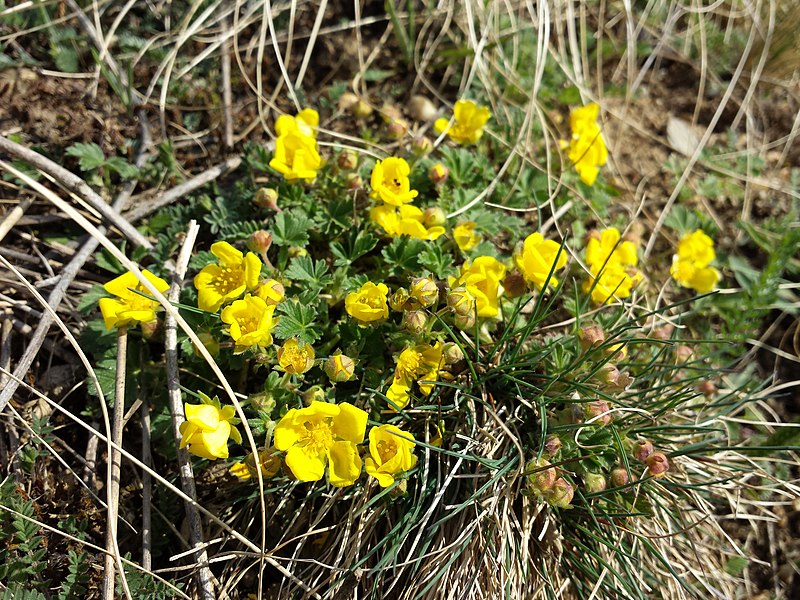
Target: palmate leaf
[
  {"x": 357, "y": 244},
  {"x": 310, "y": 272},
  {"x": 297, "y": 320},
  {"x": 290, "y": 230},
  {"x": 403, "y": 255},
  {"x": 90, "y": 156}
]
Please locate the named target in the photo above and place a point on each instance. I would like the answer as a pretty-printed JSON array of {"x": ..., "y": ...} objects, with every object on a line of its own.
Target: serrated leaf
[
  {"x": 123, "y": 168},
  {"x": 297, "y": 320},
  {"x": 290, "y": 230},
  {"x": 66, "y": 59},
  {"x": 309, "y": 271},
  {"x": 403, "y": 254},
  {"x": 358, "y": 243},
  {"x": 437, "y": 261},
  {"x": 90, "y": 156}
]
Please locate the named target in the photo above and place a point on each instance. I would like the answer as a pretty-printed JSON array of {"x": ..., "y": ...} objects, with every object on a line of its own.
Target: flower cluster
[
  {"x": 296, "y": 155},
  {"x": 612, "y": 266},
  {"x": 690, "y": 266},
  {"x": 586, "y": 148}
]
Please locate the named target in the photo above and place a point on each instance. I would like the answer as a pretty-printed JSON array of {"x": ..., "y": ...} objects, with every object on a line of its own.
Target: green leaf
[
  {"x": 66, "y": 59},
  {"x": 89, "y": 300},
  {"x": 297, "y": 320},
  {"x": 376, "y": 74},
  {"x": 290, "y": 230},
  {"x": 90, "y": 156},
  {"x": 309, "y": 271},
  {"x": 122, "y": 167},
  {"x": 357, "y": 244},
  {"x": 437, "y": 261},
  {"x": 403, "y": 254}
]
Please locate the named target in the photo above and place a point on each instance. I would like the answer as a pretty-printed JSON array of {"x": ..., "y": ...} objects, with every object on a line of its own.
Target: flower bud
[
  {"x": 707, "y": 388},
  {"x": 361, "y": 109},
  {"x": 415, "y": 321},
  {"x": 390, "y": 112},
  {"x": 295, "y": 358},
  {"x": 434, "y": 217},
  {"x": 552, "y": 445},
  {"x": 262, "y": 402},
  {"x": 270, "y": 463},
  {"x": 657, "y": 464},
  {"x": 608, "y": 374},
  {"x": 399, "y": 299},
  {"x": 209, "y": 341},
  {"x": 421, "y": 146},
  {"x": 347, "y": 101},
  {"x": 465, "y": 322},
  {"x": 424, "y": 291},
  {"x": 591, "y": 335},
  {"x": 421, "y": 109},
  {"x": 619, "y": 477},
  {"x": 561, "y": 494},
  {"x": 599, "y": 409},
  {"x": 272, "y": 292},
  {"x": 461, "y": 302},
  {"x": 347, "y": 160},
  {"x": 354, "y": 182},
  {"x": 594, "y": 482},
  {"x": 151, "y": 330},
  {"x": 339, "y": 368},
  {"x": 514, "y": 284},
  {"x": 452, "y": 354},
  {"x": 313, "y": 394},
  {"x": 541, "y": 480},
  {"x": 642, "y": 449},
  {"x": 267, "y": 198},
  {"x": 663, "y": 333},
  {"x": 399, "y": 490},
  {"x": 438, "y": 173},
  {"x": 397, "y": 129},
  {"x": 259, "y": 241}
]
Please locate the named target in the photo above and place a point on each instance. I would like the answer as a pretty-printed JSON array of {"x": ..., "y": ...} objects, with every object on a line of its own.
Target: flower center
[
  {"x": 247, "y": 323},
  {"x": 387, "y": 450},
  {"x": 318, "y": 438},
  {"x": 228, "y": 279}
]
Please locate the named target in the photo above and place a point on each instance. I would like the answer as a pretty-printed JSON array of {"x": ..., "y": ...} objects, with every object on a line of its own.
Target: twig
[
  {"x": 5, "y": 363},
  {"x": 89, "y": 476},
  {"x": 69, "y": 273},
  {"x": 75, "y": 185},
  {"x": 204, "y": 577},
  {"x": 114, "y": 463},
  {"x": 14, "y": 215},
  {"x": 227, "y": 95},
  {"x": 147, "y": 486},
  {"x": 143, "y": 209}
]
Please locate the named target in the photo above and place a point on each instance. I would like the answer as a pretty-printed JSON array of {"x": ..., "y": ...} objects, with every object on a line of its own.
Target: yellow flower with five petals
[
  {"x": 390, "y": 183},
  {"x": 586, "y": 148},
  {"x": 208, "y": 427},
  {"x": 537, "y": 258},
  {"x": 404, "y": 220},
  {"x": 690, "y": 266},
  {"x": 481, "y": 279},
  {"x": 469, "y": 122},
  {"x": 233, "y": 276},
  {"x": 369, "y": 303},
  {"x": 420, "y": 362},
  {"x": 129, "y": 306},
  {"x": 250, "y": 322},
  {"x": 391, "y": 452}
]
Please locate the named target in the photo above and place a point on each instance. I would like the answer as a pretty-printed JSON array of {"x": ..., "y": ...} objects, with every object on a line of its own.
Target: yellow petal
[
  {"x": 227, "y": 254},
  {"x": 122, "y": 285},
  {"x": 287, "y": 431},
  {"x": 350, "y": 424},
  {"x": 345, "y": 464},
  {"x": 216, "y": 441},
  {"x": 384, "y": 479},
  {"x": 303, "y": 466},
  {"x": 203, "y": 416}
]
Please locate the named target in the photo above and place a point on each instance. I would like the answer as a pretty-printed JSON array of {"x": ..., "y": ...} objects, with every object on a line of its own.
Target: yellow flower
[
  {"x": 250, "y": 322},
  {"x": 465, "y": 236},
  {"x": 391, "y": 452},
  {"x": 270, "y": 465},
  {"x": 233, "y": 276},
  {"x": 368, "y": 304},
  {"x": 405, "y": 220},
  {"x": 537, "y": 258},
  {"x": 296, "y": 156},
  {"x": 481, "y": 279},
  {"x": 128, "y": 306},
  {"x": 305, "y": 122},
  {"x": 690, "y": 265},
  {"x": 339, "y": 368},
  {"x": 295, "y": 358},
  {"x": 587, "y": 148},
  {"x": 423, "y": 292},
  {"x": 469, "y": 121},
  {"x": 390, "y": 182},
  {"x": 612, "y": 264},
  {"x": 207, "y": 429},
  {"x": 420, "y": 362},
  {"x": 323, "y": 434},
  {"x": 271, "y": 292}
]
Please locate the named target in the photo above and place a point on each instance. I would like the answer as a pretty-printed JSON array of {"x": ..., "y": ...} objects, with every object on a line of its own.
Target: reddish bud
[
  {"x": 642, "y": 449},
  {"x": 619, "y": 477},
  {"x": 541, "y": 480},
  {"x": 347, "y": 160},
  {"x": 591, "y": 335},
  {"x": 599, "y": 409},
  {"x": 438, "y": 173},
  {"x": 552, "y": 445},
  {"x": 594, "y": 482},
  {"x": 657, "y": 464}
]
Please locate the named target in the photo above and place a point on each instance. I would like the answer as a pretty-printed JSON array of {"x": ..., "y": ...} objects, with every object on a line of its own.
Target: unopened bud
[
  {"x": 642, "y": 449},
  {"x": 399, "y": 299},
  {"x": 272, "y": 292},
  {"x": 434, "y": 217},
  {"x": 707, "y": 388},
  {"x": 270, "y": 463},
  {"x": 597, "y": 411},
  {"x": 590, "y": 336},
  {"x": 347, "y": 101},
  {"x": 438, "y": 173},
  {"x": 267, "y": 198},
  {"x": 452, "y": 353},
  {"x": 461, "y": 301},
  {"x": 465, "y": 322},
  {"x": 339, "y": 368},
  {"x": 421, "y": 146},
  {"x": 541, "y": 479},
  {"x": 608, "y": 374},
  {"x": 354, "y": 182},
  {"x": 657, "y": 464},
  {"x": 347, "y": 160},
  {"x": 424, "y": 291},
  {"x": 594, "y": 482},
  {"x": 209, "y": 341},
  {"x": 561, "y": 494},
  {"x": 262, "y": 402},
  {"x": 514, "y": 284},
  {"x": 151, "y": 330},
  {"x": 415, "y": 321},
  {"x": 390, "y": 112},
  {"x": 421, "y": 109},
  {"x": 400, "y": 488},
  {"x": 397, "y": 129},
  {"x": 361, "y": 109},
  {"x": 259, "y": 241},
  {"x": 313, "y": 394},
  {"x": 552, "y": 445},
  {"x": 619, "y": 477}
]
